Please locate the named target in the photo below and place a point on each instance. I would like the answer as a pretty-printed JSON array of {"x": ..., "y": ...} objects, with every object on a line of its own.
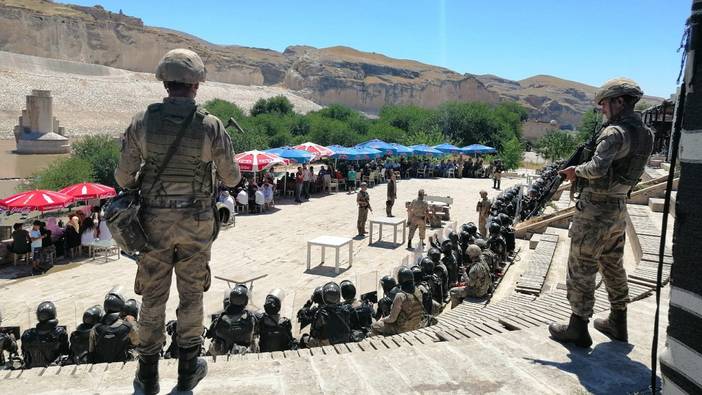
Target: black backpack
[
  {"x": 235, "y": 330},
  {"x": 112, "y": 342}
]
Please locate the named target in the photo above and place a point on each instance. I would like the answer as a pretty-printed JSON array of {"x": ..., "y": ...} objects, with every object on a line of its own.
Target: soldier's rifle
[{"x": 582, "y": 154}]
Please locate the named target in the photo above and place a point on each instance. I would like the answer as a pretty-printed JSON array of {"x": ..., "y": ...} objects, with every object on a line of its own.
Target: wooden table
[
  {"x": 390, "y": 221},
  {"x": 330, "y": 241}
]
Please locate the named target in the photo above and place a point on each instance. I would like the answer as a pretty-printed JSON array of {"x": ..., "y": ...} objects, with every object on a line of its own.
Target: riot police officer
[
  {"x": 112, "y": 339},
  {"x": 306, "y": 314},
  {"x": 496, "y": 242},
  {"x": 175, "y": 153},
  {"x": 361, "y": 310},
  {"x": 232, "y": 331},
  {"x": 47, "y": 342},
  {"x": 274, "y": 331},
  {"x": 80, "y": 338},
  {"x": 332, "y": 323},
  {"x": 389, "y": 286}
]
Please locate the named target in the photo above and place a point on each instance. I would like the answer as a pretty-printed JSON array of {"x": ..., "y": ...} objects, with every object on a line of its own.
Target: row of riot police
[
  {"x": 533, "y": 200},
  {"x": 107, "y": 334}
]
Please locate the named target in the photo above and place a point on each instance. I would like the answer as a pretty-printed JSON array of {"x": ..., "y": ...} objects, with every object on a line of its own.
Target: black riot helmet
[
  {"x": 131, "y": 307},
  {"x": 93, "y": 315},
  {"x": 494, "y": 228},
  {"x": 464, "y": 227},
  {"x": 434, "y": 254},
  {"x": 453, "y": 236},
  {"x": 274, "y": 301},
  {"x": 239, "y": 296},
  {"x": 417, "y": 274},
  {"x": 348, "y": 290},
  {"x": 472, "y": 229},
  {"x": 387, "y": 283},
  {"x": 446, "y": 247},
  {"x": 505, "y": 219},
  {"x": 427, "y": 265},
  {"x": 406, "y": 278},
  {"x": 464, "y": 237},
  {"x": 317, "y": 296},
  {"x": 114, "y": 301},
  {"x": 46, "y": 311},
  {"x": 331, "y": 293}
]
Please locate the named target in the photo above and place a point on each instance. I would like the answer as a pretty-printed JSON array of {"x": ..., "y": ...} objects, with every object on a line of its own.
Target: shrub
[{"x": 60, "y": 174}]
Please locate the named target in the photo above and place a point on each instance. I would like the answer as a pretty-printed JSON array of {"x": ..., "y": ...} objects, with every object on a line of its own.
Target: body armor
[
  {"x": 361, "y": 316},
  {"x": 234, "y": 329},
  {"x": 412, "y": 312},
  {"x": 43, "y": 345},
  {"x": 625, "y": 172},
  {"x": 80, "y": 341},
  {"x": 186, "y": 176},
  {"x": 112, "y": 341},
  {"x": 275, "y": 334},
  {"x": 332, "y": 323}
]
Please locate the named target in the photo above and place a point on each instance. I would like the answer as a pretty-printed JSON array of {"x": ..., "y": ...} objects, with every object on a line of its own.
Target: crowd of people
[
  {"x": 52, "y": 238},
  {"x": 465, "y": 265}
]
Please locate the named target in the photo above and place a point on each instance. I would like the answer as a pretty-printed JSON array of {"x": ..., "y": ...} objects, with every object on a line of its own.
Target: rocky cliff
[{"x": 365, "y": 81}]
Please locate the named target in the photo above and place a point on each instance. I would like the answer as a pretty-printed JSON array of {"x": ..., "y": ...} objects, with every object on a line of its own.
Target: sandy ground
[{"x": 272, "y": 243}]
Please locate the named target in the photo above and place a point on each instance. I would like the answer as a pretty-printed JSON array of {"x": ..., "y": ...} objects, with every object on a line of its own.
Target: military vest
[
  {"x": 333, "y": 323},
  {"x": 412, "y": 312},
  {"x": 80, "y": 340},
  {"x": 186, "y": 176},
  {"x": 235, "y": 328},
  {"x": 361, "y": 316},
  {"x": 480, "y": 279},
  {"x": 111, "y": 340},
  {"x": 626, "y": 172},
  {"x": 418, "y": 208},
  {"x": 275, "y": 335},
  {"x": 42, "y": 346}
]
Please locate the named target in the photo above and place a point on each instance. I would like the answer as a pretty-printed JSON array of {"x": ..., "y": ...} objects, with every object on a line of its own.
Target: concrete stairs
[{"x": 533, "y": 279}]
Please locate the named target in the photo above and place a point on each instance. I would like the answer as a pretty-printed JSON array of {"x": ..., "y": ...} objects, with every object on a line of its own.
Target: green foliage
[
  {"x": 60, "y": 174},
  {"x": 512, "y": 153},
  {"x": 588, "y": 123},
  {"x": 102, "y": 153},
  {"x": 224, "y": 110},
  {"x": 275, "y": 105},
  {"x": 642, "y": 105},
  {"x": 557, "y": 144}
]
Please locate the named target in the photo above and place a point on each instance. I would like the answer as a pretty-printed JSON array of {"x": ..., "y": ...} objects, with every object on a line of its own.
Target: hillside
[{"x": 364, "y": 81}]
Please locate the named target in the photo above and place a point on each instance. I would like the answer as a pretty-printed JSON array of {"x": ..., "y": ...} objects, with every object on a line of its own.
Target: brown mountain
[{"x": 365, "y": 81}]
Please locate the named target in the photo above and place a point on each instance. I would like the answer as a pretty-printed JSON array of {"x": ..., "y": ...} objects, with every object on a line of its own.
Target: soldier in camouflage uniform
[
  {"x": 178, "y": 211},
  {"x": 483, "y": 209},
  {"x": 363, "y": 201},
  {"x": 417, "y": 214},
  {"x": 598, "y": 230},
  {"x": 476, "y": 278},
  {"x": 406, "y": 312}
]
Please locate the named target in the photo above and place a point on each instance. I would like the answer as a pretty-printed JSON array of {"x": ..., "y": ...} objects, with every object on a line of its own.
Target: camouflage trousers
[
  {"x": 181, "y": 240},
  {"x": 482, "y": 225},
  {"x": 385, "y": 329},
  {"x": 414, "y": 223},
  {"x": 597, "y": 238},
  {"x": 362, "y": 218}
]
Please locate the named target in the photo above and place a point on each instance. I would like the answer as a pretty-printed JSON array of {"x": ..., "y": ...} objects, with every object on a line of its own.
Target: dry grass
[{"x": 45, "y": 7}]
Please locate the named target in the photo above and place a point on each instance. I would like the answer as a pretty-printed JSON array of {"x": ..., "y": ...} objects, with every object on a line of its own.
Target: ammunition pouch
[{"x": 122, "y": 216}]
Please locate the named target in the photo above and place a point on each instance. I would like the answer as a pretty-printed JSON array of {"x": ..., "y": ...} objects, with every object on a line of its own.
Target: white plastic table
[
  {"x": 105, "y": 246},
  {"x": 390, "y": 221},
  {"x": 330, "y": 241}
]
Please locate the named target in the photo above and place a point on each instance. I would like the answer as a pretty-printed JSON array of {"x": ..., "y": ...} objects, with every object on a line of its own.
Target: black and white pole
[{"x": 681, "y": 361}]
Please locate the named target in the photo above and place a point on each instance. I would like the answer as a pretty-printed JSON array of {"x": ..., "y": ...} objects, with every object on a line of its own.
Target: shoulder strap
[{"x": 174, "y": 147}]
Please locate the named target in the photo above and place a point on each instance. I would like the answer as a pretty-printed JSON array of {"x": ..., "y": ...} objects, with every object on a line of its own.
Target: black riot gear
[
  {"x": 417, "y": 274},
  {"x": 114, "y": 301},
  {"x": 239, "y": 296},
  {"x": 275, "y": 334},
  {"x": 44, "y": 344},
  {"x": 505, "y": 220},
  {"x": 272, "y": 305},
  {"x": 331, "y": 293},
  {"x": 427, "y": 266},
  {"x": 80, "y": 338},
  {"x": 434, "y": 254},
  {"x": 112, "y": 342},
  {"x": 317, "y": 296},
  {"x": 494, "y": 228},
  {"x": 46, "y": 311},
  {"x": 406, "y": 277},
  {"x": 387, "y": 283},
  {"x": 131, "y": 307},
  {"x": 92, "y": 315},
  {"x": 348, "y": 290}
]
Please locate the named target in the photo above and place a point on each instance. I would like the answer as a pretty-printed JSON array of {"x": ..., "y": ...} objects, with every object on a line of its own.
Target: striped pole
[{"x": 681, "y": 361}]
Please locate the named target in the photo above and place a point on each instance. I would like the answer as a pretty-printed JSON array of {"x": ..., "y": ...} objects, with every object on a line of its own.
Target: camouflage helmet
[
  {"x": 181, "y": 65},
  {"x": 473, "y": 251},
  {"x": 618, "y": 87}
]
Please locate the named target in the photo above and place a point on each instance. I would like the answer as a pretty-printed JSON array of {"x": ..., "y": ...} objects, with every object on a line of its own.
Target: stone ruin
[{"x": 38, "y": 131}]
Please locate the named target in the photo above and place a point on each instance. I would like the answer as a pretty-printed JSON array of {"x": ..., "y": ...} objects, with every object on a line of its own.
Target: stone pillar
[
  {"x": 681, "y": 361},
  {"x": 40, "y": 110}
]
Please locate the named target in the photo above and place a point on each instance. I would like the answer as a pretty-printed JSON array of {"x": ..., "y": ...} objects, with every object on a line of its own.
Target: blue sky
[{"x": 587, "y": 41}]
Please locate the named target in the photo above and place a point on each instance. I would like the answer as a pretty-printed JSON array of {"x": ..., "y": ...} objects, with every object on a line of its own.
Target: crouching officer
[
  {"x": 332, "y": 323},
  {"x": 232, "y": 331},
  {"x": 274, "y": 331},
  {"x": 390, "y": 289},
  {"x": 47, "y": 342},
  {"x": 407, "y": 312},
  {"x": 80, "y": 338},
  {"x": 112, "y": 339},
  {"x": 178, "y": 151},
  {"x": 476, "y": 278}
]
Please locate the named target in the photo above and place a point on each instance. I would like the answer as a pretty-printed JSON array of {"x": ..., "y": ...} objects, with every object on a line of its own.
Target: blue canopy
[
  {"x": 353, "y": 153},
  {"x": 448, "y": 148},
  {"x": 293, "y": 154},
  {"x": 403, "y": 150},
  {"x": 380, "y": 145},
  {"x": 474, "y": 149},
  {"x": 425, "y": 150}
]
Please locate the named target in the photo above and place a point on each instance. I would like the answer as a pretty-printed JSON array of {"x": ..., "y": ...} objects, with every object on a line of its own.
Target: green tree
[
  {"x": 275, "y": 105},
  {"x": 557, "y": 144},
  {"x": 224, "y": 110},
  {"x": 102, "y": 152},
  {"x": 60, "y": 174},
  {"x": 511, "y": 153},
  {"x": 588, "y": 123}
]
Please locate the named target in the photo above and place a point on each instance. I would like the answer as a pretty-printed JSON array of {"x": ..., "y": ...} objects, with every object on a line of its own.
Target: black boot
[
  {"x": 614, "y": 326},
  {"x": 146, "y": 379},
  {"x": 409, "y": 244},
  {"x": 191, "y": 369},
  {"x": 575, "y": 332}
]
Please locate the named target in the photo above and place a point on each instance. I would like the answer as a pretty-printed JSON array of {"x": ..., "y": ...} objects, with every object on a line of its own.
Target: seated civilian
[
  {"x": 72, "y": 234},
  {"x": 37, "y": 238},
  {"x": 259, "y": 199},
  {"x": 242, "y": 198},
  {"x": 103, "y": 232},
  {"x": 351, "y": 179},
  {"x": 268, "y": 193},
  {"x": 21, "y": 242},
  {"x": 88, "y": 232}
]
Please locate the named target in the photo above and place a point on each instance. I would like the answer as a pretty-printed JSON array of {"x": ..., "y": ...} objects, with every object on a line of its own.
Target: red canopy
[
  {"x": 258, "y": 160},
  {"x": 40, "y": 200},
  {"x": 317, "y": 150},
  {"x": 89, "y": 190}
]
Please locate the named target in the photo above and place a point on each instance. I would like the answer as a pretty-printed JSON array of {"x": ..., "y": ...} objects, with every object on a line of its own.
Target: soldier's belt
[
  {"x": 177, "y": 204},
  {"x": 602, "y": 198}
]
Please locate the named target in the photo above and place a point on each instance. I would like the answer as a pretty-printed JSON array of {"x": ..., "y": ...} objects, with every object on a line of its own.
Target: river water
[{"x": 14, "y": 166}]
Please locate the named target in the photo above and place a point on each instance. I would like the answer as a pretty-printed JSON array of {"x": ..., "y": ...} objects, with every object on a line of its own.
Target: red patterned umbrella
[
  {"x": 256, "y": 161},
  {"x": 319, "y": 151},
  {"x": 89, "y": 190},
  {"x": 40, "y": 200}
]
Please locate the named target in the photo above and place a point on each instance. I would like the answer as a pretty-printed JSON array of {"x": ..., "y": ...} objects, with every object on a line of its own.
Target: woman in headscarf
[{"x": 72, "y": 235}]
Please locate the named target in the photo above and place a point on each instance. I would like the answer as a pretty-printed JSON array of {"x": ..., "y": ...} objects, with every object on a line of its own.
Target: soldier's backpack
[
  {"x": 275, "y": 336},
  {"x": 235, "y": 329},
  {"x": 41, "y": 349}
]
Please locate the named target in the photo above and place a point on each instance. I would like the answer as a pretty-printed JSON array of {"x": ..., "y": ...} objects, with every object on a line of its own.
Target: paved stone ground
[{"x": 272, "y": 243}]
